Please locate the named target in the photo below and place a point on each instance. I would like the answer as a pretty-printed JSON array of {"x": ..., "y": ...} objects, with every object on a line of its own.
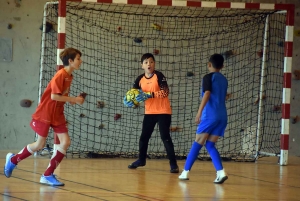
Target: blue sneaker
[
  {"x": 9, "y": 166},
  {"x": 50, "y": 180}
]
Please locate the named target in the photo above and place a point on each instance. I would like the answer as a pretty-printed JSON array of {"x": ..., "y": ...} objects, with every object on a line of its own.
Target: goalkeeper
[{"x": 154, "y": 92}]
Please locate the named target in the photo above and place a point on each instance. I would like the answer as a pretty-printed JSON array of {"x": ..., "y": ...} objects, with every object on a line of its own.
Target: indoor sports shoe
[
  {"x": 184, "y": 175},
  {"x": 9, "y": 166},
  {"x": 50, "y": 180},
  {"x": 221, "y": 177},
  {"x": 137, "y": 163},
  {"x": 174, "y": 169}
]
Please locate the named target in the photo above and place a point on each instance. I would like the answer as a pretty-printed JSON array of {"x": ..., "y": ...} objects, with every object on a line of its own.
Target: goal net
[{"x": 113, "y": 37}]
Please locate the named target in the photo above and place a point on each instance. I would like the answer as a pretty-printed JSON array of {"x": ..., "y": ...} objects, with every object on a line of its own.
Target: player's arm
[
  {"x": 136, "y": 84},
  {"x": 205, "y": 99},
  {"x": 59, "y": 94},
  {"x": 206, "y": 89},
  {"x": 164, "y": 88},
  {"x": 61, "y": 98}
]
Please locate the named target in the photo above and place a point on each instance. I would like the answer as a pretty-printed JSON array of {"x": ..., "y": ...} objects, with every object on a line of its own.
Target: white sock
[{"x": 221, "y": 172}]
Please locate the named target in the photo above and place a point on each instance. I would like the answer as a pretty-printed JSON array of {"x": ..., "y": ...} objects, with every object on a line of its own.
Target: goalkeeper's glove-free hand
[
  {"x": 127, "y": 103},
  {"x": 143, "y": 96}
]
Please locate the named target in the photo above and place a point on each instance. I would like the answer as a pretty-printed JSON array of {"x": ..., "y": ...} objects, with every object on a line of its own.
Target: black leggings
[{"x": 164, "y": 122}]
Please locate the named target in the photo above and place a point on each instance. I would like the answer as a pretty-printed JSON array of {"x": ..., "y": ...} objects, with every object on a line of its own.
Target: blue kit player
[{"x": 211, "y": 119}]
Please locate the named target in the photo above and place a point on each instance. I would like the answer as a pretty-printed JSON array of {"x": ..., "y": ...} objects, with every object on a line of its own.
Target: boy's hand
[
  {"x": 127, "y": 103},
  {"x": 197, "y": 118},
  {"x": 79, "y": 100},
  {"x": 143, "y": 96},
  {"x": 72, "y": 103}
]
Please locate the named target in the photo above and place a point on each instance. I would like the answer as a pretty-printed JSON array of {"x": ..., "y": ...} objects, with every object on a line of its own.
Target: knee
[
  {"x": 200, "y": 141},
  {"x": 66, "y": 143},
  {"x": 201, "y": 138}
]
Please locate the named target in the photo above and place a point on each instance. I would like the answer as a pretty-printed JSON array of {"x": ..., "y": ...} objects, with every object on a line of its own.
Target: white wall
[{"x": 19, "y": 78}]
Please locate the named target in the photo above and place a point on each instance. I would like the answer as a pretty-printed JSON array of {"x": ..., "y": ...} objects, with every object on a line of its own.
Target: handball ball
[{"x": 131, "y": 96}]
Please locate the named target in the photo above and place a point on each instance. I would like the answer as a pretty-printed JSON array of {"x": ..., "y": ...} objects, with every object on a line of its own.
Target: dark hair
[
  {"x": 69, "y": 53},
  {"x": 147, "y": 56},
  {"x": 217, "y": 60}
]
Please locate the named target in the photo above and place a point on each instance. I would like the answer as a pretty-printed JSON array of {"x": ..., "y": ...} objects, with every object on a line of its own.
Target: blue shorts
[{"x": 212, "y": 127}]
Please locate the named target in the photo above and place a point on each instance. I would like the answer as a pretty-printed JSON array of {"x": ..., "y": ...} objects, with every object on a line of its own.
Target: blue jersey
[{"x": 215, "y": 108}]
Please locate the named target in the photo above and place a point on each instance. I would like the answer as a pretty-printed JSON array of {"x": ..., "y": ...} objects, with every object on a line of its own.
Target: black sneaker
[
  {"x": 174, "y": 169},
  {"x": 136, "y": 164}
]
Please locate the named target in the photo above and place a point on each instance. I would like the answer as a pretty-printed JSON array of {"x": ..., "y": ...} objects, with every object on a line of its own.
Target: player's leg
[
  {"x": 164, "y": 122},
  {"x": 12, "y": 160},
  {"x": 202, "y": 133},
  {"x": 193, "y": 154},
  {"x": 48, "y": 177},
  {"x": 147, "y": 129},
  {"x": 219, "y": 130}
]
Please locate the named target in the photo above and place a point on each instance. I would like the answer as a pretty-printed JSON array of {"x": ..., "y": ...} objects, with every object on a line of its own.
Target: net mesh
[{"x": 113, "y": 37}]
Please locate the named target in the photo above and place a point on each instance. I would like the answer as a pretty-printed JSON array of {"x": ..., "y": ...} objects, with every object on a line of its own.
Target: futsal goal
[{"x": 255, "y": 39}]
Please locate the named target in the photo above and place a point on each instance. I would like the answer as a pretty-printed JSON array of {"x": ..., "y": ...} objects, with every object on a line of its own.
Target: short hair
[
  {"x": 147, "y": 56},
  {"x": 217, "y": 61},
  {"x": 68, "y": 53}
]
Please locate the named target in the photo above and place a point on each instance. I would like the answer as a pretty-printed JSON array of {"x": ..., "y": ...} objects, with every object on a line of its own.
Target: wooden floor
[{"x": 109, "y": 179}]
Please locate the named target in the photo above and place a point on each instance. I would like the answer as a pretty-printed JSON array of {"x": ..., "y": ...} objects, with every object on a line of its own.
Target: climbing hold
[
  {"x": 260, "y": 53},
  {"x": 257, "y": 99},
  {"x": 174, "y": 129},
  {"x": 296, "y": 74},
  {"x": 100, "y": 104},
  {"x": 294, "y": 119},
  {"x": 117, "y": 116},
  {"x": 25, "y": 103},
  {"x": 137, "y": 40},
  {"x": 276, "y": 108},
  {"x": 101, "y": 126},
  {"x": 83, "y": 95},
  {"x": 189, "y": 74},
  {"x": 280, "y": 43},
  {"x": 297, "y": 32},
  {"x": 228, "y": 54},
  {"x": 156, "y": 27},
  {"x": 228, "y": 96},
  {"x": 48, "y": 28}
]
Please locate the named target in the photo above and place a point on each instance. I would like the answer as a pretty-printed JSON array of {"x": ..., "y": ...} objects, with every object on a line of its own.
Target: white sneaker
[
  {"x": 184, "y": 175},
  {"x": 221, "y": 177}
]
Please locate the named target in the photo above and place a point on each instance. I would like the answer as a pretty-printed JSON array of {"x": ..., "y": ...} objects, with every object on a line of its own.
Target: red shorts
[{"x": 42, "y": 128}]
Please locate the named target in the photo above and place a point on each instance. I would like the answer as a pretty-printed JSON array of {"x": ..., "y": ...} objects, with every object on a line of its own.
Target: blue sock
[
  {"x": 192, "y": 156},
  {"x": 214, "y": 154}
]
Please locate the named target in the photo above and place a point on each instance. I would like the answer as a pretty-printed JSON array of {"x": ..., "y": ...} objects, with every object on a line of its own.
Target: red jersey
[
  {"x": 157, "y": 85},
  {"x": 50, "y": 111}
]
